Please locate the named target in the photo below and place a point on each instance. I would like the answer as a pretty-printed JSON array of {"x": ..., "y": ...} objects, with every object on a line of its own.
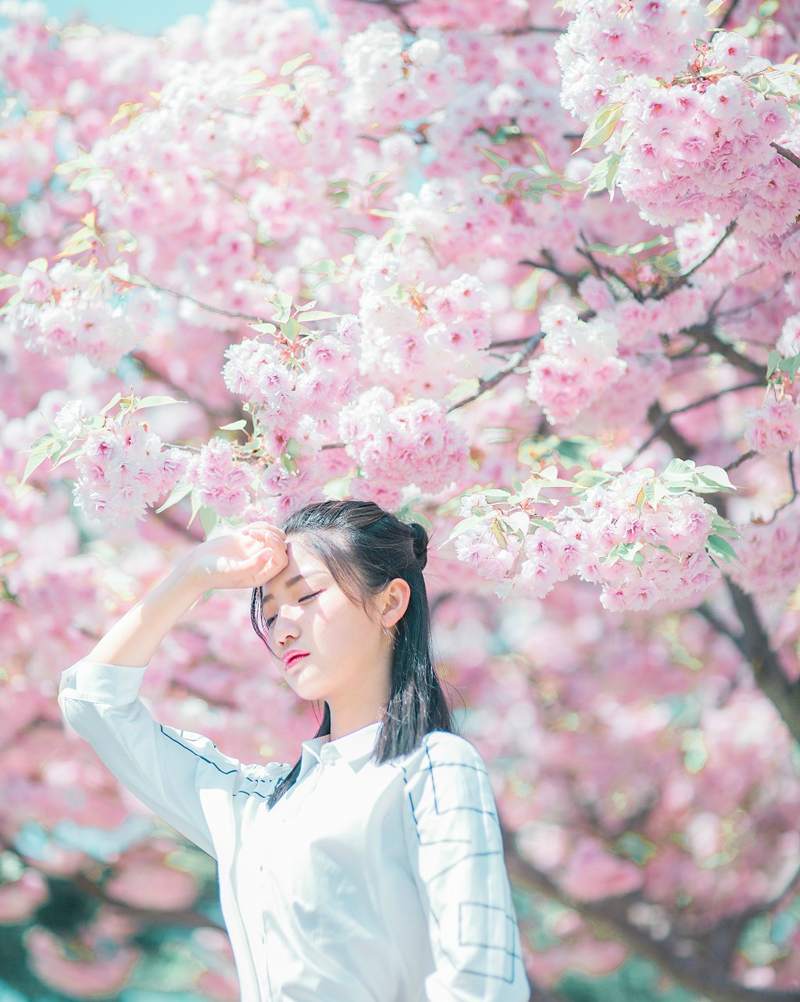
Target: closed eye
[{"x": 272, "y": 618}]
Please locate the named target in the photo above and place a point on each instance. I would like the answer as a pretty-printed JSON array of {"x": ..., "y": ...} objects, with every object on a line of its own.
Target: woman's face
[{"x": 306, "y": 610}]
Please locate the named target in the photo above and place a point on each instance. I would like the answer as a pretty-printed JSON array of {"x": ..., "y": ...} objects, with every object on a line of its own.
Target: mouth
[{"x": 291, "y": 659}]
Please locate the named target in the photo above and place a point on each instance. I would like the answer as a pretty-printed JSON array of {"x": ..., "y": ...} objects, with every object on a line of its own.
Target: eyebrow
[{"x": 291, "y": 581}]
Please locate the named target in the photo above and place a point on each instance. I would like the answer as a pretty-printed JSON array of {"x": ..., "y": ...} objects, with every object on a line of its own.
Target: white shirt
[{"x": 364, "y": 883}]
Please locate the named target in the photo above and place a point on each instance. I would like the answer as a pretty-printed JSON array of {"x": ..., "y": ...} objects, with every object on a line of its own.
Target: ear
[{"x": 393, "y": 602}]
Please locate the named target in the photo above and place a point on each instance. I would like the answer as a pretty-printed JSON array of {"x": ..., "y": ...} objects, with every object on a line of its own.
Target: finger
[{"x": 262, "y": 531}]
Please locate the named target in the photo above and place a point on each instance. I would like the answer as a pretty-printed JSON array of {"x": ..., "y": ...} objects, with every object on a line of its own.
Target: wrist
[{"x": 190, "y": 578}]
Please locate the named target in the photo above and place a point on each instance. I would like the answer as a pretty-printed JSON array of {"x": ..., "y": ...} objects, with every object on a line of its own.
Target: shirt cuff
[{"x": 95, "y": 682}]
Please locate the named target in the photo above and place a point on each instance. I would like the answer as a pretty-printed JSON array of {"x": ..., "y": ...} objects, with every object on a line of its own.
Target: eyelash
[{"x": 271, "y": 618}]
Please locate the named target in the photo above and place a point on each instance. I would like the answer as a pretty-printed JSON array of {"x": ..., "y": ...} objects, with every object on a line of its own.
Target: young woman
[{"x": 371, "y": 869}]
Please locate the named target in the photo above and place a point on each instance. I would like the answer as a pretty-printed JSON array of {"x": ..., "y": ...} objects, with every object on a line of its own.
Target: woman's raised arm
[
  {"x": 180, "y": 775},
  {"x": 246, "y": 558}
]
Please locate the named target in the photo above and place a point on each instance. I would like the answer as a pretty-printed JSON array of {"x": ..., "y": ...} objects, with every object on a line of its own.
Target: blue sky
[{"x": 148, "y": 17}]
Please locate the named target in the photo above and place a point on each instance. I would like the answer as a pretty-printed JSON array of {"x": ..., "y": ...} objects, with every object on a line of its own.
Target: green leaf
[
  {"x": 319, "y": 315},
  {"x": 722, "y": 527},
  {"x": 678, "y": 468},
  {"x": 178, "y": 493},
  {"x": 716, "y": 476},
  {"x": 6, "y": 280},
  {"x": 603, "y": 175},
  {"x": 505, "y": 132},
  {"x": 112, "y": 402},
  {"x": 293, "y": 64},
  {"x": 196, "y": 504},
  {"x": 751, "y": 27},
  {"x": 694, "y": 750},
  {"x": 263, "y": 328},
  {"x": 65, "y": 455},
  {"x": 500, "y": 162},
  {"x": 283, "y": 304},
  {"x": 253, "y": 77},
  {"x": 773, "y": 360},
  {"x": 81, "y": 162},
  {"x": 157, "y": 402},
  {"x": 467, "y": 523},
  {"x": 234, "y": 426},
  {"x": 291, "y": 328},
  {"x": 721, "y": 547},
  {"x": 636, "y": 848},
  {"x": 35, "y": 461},
  {"x": 14, "y": 299},
  {"x": 208, "y": 519},
  {"x": 602, "y": 125},
  {"x": 714, "y": 6},
  {"x": 575, "y": 451}
]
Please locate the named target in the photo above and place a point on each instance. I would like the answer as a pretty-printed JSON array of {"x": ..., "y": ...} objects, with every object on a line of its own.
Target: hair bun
[{"x": 420, "y": 539}]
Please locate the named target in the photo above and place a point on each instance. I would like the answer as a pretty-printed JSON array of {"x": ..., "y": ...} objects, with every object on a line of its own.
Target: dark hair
[{"x": 365, "y": 547}]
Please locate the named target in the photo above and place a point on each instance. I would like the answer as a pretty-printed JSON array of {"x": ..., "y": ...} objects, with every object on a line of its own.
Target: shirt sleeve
[
  {"x": 455, "y": 847},
  {"x": 163, "y": 767}
]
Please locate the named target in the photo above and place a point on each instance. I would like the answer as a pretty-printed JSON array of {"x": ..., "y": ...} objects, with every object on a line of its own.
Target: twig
[
  {"x": 704, "y": 333},
  {"x": 676, "y": 283},
  {"x": 666, "y": 415},
  {"x": 150, "y": 373},
  {"x": 572, "y": 281},
  {"x": 528, "y": 28},
  {"x": 727, "y": 15},
  {"x": 742, "y": 459},
  {"x": 393, "y": 6},
  {"x": 713, "y": 619},
  {"x": 487, "y": 384},
  {"x": 602, "y": 268},
  {"x": 794, "y": 491},
  {"x": 791, "y": 157},
  {"x": 147, "y": 284}
]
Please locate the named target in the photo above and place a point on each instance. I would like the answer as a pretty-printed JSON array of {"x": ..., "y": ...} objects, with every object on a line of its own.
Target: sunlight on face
[{"x": 306, "y": 610}]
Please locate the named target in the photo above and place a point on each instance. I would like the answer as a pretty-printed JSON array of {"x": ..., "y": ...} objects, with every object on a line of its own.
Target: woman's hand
[{"x": 246, "y": 558}]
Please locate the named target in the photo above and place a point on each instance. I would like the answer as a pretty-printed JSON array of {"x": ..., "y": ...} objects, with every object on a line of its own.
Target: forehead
[{"x": 302, "y": 566}]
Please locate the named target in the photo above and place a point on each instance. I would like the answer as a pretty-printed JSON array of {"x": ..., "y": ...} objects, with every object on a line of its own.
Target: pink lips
[{"x": 293, "y": 657}]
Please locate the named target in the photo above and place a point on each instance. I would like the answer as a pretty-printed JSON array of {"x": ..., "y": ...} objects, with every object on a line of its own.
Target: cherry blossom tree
[{"x": 529, "y": 275}]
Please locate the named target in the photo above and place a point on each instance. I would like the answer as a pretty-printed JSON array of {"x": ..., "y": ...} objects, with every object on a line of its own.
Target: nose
[{"x": 285, "y": 628}]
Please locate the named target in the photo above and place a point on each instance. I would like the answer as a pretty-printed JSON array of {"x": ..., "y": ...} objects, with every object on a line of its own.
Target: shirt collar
[{"x": 351, "y": 748}]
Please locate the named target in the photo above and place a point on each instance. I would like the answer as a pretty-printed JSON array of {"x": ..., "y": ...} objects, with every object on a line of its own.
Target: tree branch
[
  {"x": 608, "y": 916},
  {"x": 791, "y": 157},
  {"x": 727, "y": 15},
  {"x": 549, "y": 264},
  {"x": 704, "y": 333},
  {"x": 740, "y": 459},
  {"x": 487, "y": 384},
  {"x": 793, "y": 482},
  {"x": 664, "y": 417},
  {"x": 394, "y": 7},
  {"x": 676, "y": 283},
  {"x": 754, "y": 644}
]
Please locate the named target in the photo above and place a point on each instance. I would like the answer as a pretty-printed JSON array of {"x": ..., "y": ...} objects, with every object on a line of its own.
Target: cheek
[{"x": 336, "y": 618}]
